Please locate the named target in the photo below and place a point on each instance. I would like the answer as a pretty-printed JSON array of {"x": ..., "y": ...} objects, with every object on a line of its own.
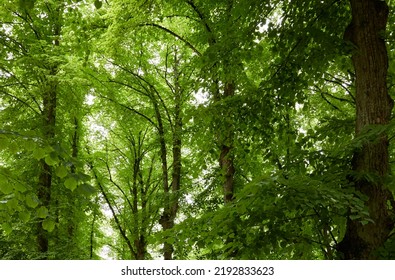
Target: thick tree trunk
[{"x": 373, "y": 108}]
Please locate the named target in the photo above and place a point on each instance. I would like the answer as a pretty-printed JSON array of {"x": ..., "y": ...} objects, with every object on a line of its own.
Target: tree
[
  {"x": 34, "y": 77},
  {"x": 193, "y": 129},
  {"x": 373, "y": 110}
]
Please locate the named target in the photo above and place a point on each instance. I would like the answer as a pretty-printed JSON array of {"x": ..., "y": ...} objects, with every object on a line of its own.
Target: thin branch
[
  {"x": 117, "y": 221},
  {"x": 338, "y": 98},
  {"x": 130, "y": 109},
  {"x": 340, "y": 83},
  {"x": 181, "y": 16},
  {"x": 174, "y": 34},
  {"x": 118, "y": 187},
  {"x": 203, "y": 19},
  {"x": 21, "y": 101}
]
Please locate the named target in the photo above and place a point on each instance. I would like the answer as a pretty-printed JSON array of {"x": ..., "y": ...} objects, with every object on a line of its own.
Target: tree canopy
[{"x": 196, "y": 129}]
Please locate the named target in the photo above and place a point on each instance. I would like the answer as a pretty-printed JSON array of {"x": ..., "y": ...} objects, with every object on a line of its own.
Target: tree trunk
[
  {"x": 45, "y": 176},
  {"x": 50, "y": 89},
  {"x": 172, "y": 195},
  {"x": 226, "y": 157},
  {"x": 373, "y": 108}
]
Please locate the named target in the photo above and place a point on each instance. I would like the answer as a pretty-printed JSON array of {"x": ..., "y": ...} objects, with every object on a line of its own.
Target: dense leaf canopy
[{"x": 191, "y": 129}]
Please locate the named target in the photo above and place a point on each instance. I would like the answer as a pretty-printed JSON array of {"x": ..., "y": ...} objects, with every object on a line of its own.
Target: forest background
[{"x": 196, "y": 129}]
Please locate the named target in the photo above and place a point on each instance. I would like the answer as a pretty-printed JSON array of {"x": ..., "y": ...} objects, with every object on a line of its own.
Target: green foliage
[{"x": 133, "y": 81}]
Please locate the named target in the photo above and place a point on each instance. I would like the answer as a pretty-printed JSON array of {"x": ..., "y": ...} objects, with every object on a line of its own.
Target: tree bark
[
  {"x": 226, "y": 157},
  {"x": 50, "y": 90},
  {"x": 373, "y": 108},
  {"x": 172, "y": 196},
  {"x": 45, "y": 176}
]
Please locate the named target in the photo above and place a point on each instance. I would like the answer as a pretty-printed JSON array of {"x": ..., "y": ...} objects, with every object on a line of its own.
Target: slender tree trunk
[
  {"x": 137, "y": 212},
  {"x": 92, "y": 236},
  {"x": 50, "y": 89},
  {"x": 71, "y": 225},
  {"x": 45, "y": 176},
  {"x": 165, "y": 220},
  {"x": 226, "y": 145},
  {"x": 373, "y": 108}
]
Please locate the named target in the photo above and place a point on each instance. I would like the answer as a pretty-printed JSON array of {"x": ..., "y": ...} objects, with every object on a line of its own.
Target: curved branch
[
  {"x": 173, "y": 34},
  {"x": 203, "y": 19},
  {"x": 20, "y": 100},
  {"x": 130, "y": 109}
]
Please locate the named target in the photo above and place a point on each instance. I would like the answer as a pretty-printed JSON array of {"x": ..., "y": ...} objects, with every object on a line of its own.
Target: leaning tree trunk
[{"x": 373, "y": 108}]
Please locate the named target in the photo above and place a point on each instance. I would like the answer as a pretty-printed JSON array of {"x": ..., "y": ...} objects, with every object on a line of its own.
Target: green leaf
[
  {"x": 4, "y": 142},
  {"x": 7, "y": 228},
  {"x": 39, "y": 153},
  {"x": 71, "y": 183},
  {"x": 24, "y": 216},
  {"x": 355, "y": 217},
  {"x": 48, "y": 225},
  {"x": 20, "y": 187},
  {"x": 13, "y": 147},
  {"x": 61, "y": 171},
  {"x": 32, "y": 200},
  {"x": 86, "y": 189},
  {"x": 12, "y": 204},
  {"x": 5, "y": 187},
  {"x": 98, "y": 4},
  {"x": 29, "y": 146},
  {"x": 42, "y": 212},
  {"x": 26, "y": 4},
  {"x": 51, "y": 159}
]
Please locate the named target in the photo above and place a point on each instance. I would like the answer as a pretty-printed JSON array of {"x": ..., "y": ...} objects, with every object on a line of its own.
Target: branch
[
  {"x": 130, "y": 109},
  {"x": 118, "y": 187},
  {"x": 340, "y": 83},
  {"x": 21, "y": 101},
  {"x": 117, "y": 222},
  {"x": 203, "y": 19},
  {"x": 174, "y": 34}
]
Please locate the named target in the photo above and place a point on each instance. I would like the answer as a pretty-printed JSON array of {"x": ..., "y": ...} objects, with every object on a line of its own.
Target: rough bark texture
[{"x": 373, "y": 108}]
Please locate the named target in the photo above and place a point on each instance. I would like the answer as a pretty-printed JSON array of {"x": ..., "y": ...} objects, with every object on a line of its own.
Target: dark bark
[
  {"x": 172, "y": 196},
  {"x": 226, "y": 158},
  {"x": 139, "y": 230},
  {"x": 225, "y": 135},
  {"x": 74, "y": 154},
  {"x": 92, "y": 237},
  {"x": 45, "y": 176},
  {"x": 165, "y": 220},
  {"x": 373, "y": 108},
  {"x": 50, "y": 89}
]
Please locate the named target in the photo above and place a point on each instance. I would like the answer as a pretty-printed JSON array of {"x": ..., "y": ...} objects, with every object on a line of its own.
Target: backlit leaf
[
  {"x": 6, "y": 228},
  {"x": 61, "y": 171},
  {"x": 48, "y": 225},
  {"x": 70, "y": 183},
  {"x": 42, "y": 212},
  {"x": 32, "y": 200}
]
